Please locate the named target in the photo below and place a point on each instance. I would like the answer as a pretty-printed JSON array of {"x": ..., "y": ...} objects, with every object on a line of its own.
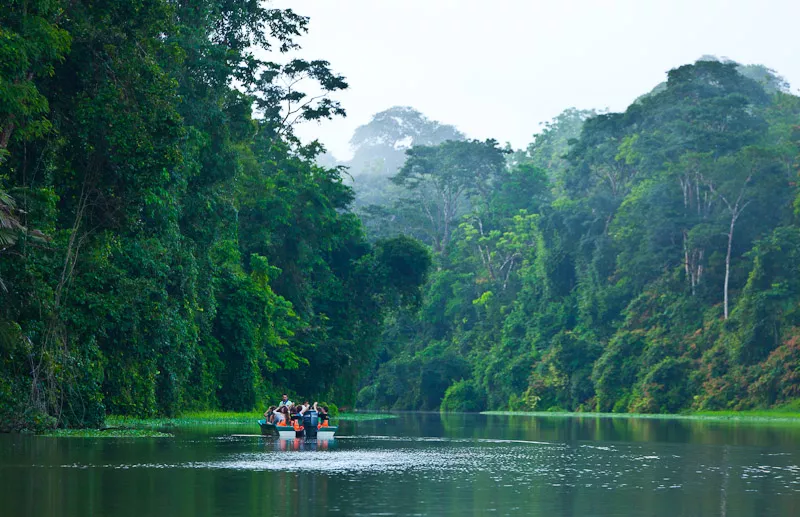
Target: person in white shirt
[{"x": 285, "y": 401}]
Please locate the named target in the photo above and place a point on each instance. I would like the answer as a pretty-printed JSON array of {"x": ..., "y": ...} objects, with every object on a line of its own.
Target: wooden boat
[{"x": 288, "y": 432}]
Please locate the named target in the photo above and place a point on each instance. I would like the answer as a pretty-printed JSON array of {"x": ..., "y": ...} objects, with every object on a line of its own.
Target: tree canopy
[
  {"x": 619, "y": 263},
  {"x": 166, "y": 242}
]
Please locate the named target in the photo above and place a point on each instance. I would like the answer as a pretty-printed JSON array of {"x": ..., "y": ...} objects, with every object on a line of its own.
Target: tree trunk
[
  {"x": 734, "y": 215},
  {"x": 5, "y": 135},
  {"x": 692, "y": 263},
  {"x": 735, "y": 209}
]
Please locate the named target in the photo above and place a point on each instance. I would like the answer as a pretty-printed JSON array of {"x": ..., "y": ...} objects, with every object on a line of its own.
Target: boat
[
  {"x": 327, "y": 432},
  {"x": 286, "y": 432},
  {"x": 310, "y": 429}
]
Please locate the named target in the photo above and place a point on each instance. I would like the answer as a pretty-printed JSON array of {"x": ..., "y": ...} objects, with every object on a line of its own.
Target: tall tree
[
  {"x": 443, "y": 179},
  {"x": 380, "y": 145},
  {"x": 32, "y": 42},
  {"x": 738, "y": 181}
]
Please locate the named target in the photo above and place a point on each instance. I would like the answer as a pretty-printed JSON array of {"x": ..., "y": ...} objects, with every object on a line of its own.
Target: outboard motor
[{"x": 310, "y": 422}]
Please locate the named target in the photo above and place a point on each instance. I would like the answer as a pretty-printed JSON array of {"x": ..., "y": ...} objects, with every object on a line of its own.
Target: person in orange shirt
[
  {"x": 297, "y": 426},
  {"x": 323, "y": 416}
]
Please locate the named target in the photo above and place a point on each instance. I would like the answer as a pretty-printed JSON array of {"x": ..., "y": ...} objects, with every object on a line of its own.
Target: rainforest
[{"x": 168, "y": 243}]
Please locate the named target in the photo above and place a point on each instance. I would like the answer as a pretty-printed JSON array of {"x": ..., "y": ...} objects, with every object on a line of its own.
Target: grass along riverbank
[
  {"x": 107, "y": 433},
  {"x": 204, "y": 418},
  {"x": 117, "y": 426},
  {"x": 761, "y": 415}
]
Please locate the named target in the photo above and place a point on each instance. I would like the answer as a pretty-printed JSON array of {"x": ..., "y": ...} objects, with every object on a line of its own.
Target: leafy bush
[{"x": 463, "y": 396}]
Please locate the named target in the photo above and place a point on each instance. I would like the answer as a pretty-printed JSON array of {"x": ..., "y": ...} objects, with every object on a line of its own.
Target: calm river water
[{"x": 416, "y": 464}]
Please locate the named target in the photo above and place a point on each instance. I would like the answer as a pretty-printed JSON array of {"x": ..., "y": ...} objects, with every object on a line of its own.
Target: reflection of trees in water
[
  {"x": 723, "y": 489},
  {"x": 569, "y": 465},
  {"x": 680, "y": 448},
  {"x": 605, "y": 428},
  {"x": 526, "y": 479},
  {"x": 292, "y": 492}
]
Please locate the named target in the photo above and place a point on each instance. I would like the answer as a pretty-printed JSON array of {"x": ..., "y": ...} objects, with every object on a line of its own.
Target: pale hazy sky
[{"x": 498, "y": 68}]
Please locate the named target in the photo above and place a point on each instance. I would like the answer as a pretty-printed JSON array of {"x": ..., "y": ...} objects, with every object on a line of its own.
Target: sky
[{"x": 499, "y": 68}]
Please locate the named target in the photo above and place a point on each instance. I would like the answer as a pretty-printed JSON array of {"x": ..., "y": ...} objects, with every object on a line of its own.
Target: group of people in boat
[{"x": 286, "y": 413}]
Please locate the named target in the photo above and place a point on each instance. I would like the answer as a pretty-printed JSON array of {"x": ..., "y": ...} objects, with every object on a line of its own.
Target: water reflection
[
  {"x": 611, "y": 429},
  {"x": 299, "y": 444},
  {"x": 417, "y": 464}
]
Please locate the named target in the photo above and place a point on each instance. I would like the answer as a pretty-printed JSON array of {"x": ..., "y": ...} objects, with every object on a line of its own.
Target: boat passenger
[
  {"x": 323, "y": 416},
  {"x": 270, "y": 414},
  {"x": 280, "y": 416},
  {"x": 297, "y": 426},
  {"x": 285, "y": 401}
]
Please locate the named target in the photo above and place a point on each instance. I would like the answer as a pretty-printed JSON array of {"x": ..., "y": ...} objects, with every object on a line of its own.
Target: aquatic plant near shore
[{"x": 107, "y": 433}]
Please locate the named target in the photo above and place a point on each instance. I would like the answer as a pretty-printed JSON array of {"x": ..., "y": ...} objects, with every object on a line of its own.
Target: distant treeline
[
  {"x": 162, "y": 249},
  {"x": 645, "y": 261}
]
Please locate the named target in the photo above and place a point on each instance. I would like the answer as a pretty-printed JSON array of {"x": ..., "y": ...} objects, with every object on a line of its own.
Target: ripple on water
[{"x": 506, "y": 462}]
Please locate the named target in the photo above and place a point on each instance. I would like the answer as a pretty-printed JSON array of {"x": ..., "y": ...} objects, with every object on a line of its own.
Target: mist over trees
[
  {"x": 379, "y": 148},
  {"x": 380, "y": 145},
  {"x": 167, "y": 243},
  {"x": 642, "y": 261}
]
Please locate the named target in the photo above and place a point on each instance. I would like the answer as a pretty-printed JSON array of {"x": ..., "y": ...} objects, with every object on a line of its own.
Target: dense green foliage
[
  {"x": 644, "y": 261},
  {"x": 168, "y": 245},
  {"x": 161, "y": 247}
]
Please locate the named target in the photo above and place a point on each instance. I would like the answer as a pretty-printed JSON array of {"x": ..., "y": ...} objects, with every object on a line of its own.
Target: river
[{"x": 417, "y": 464}]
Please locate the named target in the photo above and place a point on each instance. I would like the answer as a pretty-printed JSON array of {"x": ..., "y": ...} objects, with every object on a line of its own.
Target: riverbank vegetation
[
  {"x": 752, "y": 416},
  {"x": 209, "y": 418},
  {"x": 105, "y": 433},
  {"x": 166, "y": 243},
  {"x": 644, "y": 261}
]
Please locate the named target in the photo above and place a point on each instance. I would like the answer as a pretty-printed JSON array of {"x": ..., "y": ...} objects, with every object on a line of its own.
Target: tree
[
  {"x": 284, "y": 104},
  {"x": 550, "y": 147},
  {"x": 199, "y": 257},
  {"x": 10, "y": 226},
  {"x": 403, "y": 265},
  {"x": 379, "y": 151},
  {"x": 502, "y": 253},
  {"x": 737, "y": 181},
  {"x": 32, "y": 42},
  {"x": 380, "y": 145},
  {"x": 603, "y": 290},
  {"x": 441, "y": 180}
]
